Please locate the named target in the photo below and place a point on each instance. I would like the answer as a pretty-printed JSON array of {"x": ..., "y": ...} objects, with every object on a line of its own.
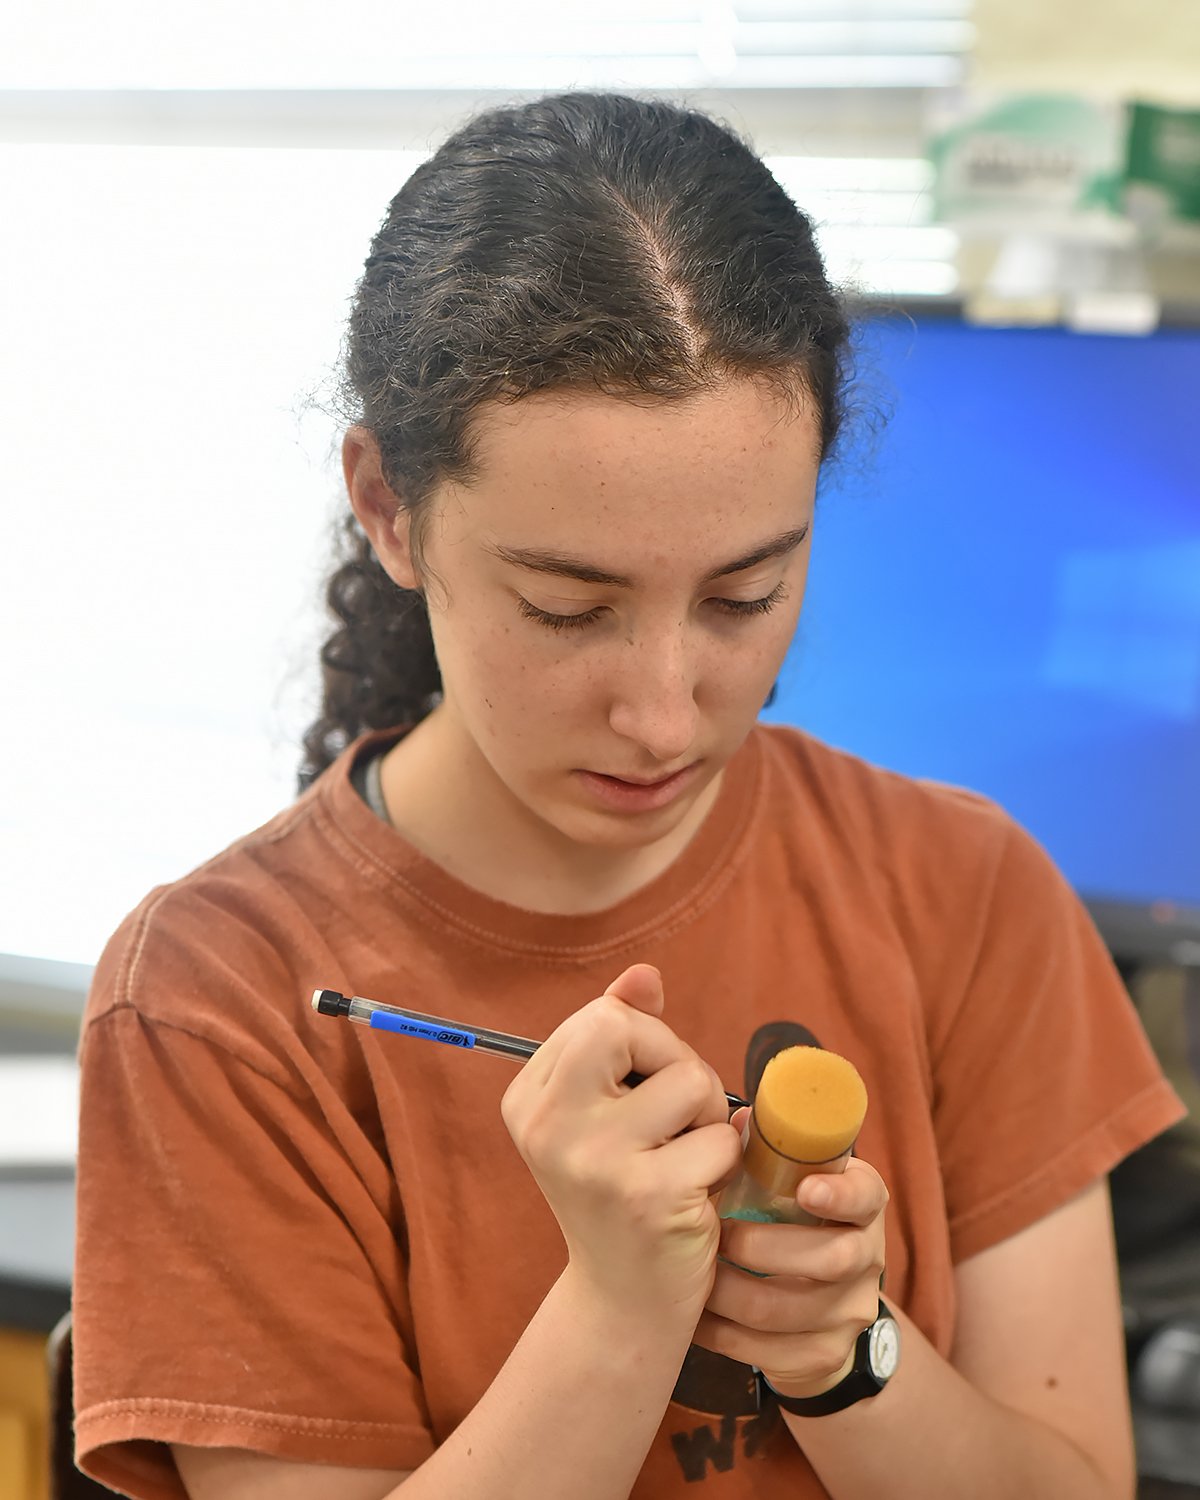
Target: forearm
[
  {"x": 571, "y": 1414},
  {"x": 930, "y": 1432}
]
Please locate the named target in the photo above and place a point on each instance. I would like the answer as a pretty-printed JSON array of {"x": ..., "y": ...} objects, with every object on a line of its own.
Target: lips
[
  {"x": 639, "y": 781},
  {"x": 626, "y": 794}
]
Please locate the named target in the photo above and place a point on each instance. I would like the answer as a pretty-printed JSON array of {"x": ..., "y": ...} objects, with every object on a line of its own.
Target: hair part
[{"x": 580, "y": 242}]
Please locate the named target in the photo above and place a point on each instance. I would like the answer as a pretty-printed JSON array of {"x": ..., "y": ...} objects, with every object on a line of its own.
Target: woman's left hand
[{"x": 818, "y": 1287}]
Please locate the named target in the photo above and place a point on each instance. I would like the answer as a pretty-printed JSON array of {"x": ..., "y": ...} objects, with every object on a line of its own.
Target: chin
[
  {"x": 601, "y": 832},
  {"x": 597, "y": 828}
]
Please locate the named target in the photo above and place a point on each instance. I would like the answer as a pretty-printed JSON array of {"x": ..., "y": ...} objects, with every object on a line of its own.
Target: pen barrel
[{"x": 381, "y": 1017}]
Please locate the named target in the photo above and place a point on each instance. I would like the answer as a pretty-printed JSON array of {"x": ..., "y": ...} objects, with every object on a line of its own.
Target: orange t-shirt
[{"x": 316, "y": 1240}]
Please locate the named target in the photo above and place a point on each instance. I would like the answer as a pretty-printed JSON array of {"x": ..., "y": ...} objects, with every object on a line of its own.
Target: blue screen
[{"x": 1005, "y": 590}]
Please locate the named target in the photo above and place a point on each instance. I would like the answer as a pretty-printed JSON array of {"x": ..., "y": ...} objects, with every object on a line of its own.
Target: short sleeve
[
  {"x": 238, "y": 1281},
  {"x": 1043, "y": 1078}
]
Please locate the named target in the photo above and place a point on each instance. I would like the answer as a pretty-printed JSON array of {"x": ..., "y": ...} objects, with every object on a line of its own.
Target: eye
[
  {"x": 556, "y": 622},
  {"x": 744, "y": 607}
]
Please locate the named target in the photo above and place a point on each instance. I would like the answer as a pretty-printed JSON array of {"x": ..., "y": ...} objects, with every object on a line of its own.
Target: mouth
[
  {"x": 640, "y": 780},
  {"x": 637, "y": 793}
]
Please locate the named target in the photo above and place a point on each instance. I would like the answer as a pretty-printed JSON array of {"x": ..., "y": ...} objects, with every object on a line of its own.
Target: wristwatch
[{"x": 876, "y": 1355}]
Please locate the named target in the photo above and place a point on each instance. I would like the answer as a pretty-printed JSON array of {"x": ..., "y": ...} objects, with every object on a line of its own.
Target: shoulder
[
  {"x": 221, "y": 952},
  {"x": 882, "y": 811},
  {"x": 943, "y": 868}
]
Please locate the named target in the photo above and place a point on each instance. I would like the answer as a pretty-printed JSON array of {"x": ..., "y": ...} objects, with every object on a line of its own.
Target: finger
[
  {"x": 599, "y": 1046},
  {"x": 682, "y": 1096},
  {"x": 789, "y": 1356},
  {"x": 782, "y": 1304},
  {"x": 640, "y": 986},
  {"x": 821, "y": 1253},
  {"x": 734, "y": 1170},
  {"x": 700, "y": 1156},
  {"x": 856, "y": 1196},
  {"x": 736, "y": 1120}
]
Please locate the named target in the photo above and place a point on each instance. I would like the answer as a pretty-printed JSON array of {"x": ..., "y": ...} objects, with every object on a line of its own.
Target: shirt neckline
[{"x": 671, "y": 900}]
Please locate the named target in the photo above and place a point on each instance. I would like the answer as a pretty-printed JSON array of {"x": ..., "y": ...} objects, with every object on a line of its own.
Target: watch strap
[{"x": 857, "y": 1385}]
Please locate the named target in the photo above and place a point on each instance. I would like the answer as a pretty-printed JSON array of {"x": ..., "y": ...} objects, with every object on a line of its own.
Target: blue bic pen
[{"x": 381, "y": 1017}]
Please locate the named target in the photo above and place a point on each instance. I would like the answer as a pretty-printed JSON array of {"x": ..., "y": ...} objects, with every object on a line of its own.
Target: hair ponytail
[{"x": 378, "y": 668}]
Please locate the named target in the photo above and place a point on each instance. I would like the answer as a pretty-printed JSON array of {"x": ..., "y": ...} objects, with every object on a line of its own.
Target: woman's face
[{"x": 612, "y": 598}]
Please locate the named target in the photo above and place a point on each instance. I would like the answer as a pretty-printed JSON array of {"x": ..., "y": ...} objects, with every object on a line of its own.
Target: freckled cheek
[
  {"x": 476, "y": 649},
  {"x": 746, "y": 674},
  {"x": 523, "y": 688},
  {"x": 565, "y": 688}
]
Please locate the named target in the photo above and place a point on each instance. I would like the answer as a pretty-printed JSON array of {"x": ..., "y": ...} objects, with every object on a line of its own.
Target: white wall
[{"x": 1118, "y": 48}]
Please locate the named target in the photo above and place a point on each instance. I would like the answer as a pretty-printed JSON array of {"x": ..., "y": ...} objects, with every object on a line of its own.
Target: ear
[{"x": 380, "y": 511}]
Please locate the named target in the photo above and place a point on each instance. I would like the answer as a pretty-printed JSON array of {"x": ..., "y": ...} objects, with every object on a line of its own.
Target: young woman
[{"x": 596, "y": 368}]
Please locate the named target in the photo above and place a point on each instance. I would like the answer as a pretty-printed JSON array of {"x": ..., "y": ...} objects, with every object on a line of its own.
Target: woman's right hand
[{"x": 628, "y": 1173}]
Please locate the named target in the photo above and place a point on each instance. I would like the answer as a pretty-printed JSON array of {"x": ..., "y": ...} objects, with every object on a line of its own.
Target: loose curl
[{"x": 585, "y": 241}]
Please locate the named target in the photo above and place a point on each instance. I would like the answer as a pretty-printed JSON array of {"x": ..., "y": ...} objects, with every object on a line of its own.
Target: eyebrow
[{"x": 564, "y": 566}]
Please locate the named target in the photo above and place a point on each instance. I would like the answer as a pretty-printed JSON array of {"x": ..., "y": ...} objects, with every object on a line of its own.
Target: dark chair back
[{"x": 66, "y": 1481}]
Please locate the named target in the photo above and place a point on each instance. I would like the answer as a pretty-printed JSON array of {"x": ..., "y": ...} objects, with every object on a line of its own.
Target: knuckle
[
  {"x": 828, "y": 1354},
  {"x": 730, "y": 1149},
  {"x": 866, "y": 1312},
  {"x": 629, "y": 1200},
  {"x": 641, "y": 1203},
  {"x": 530, "y": 1141},
  {"x": 519, "y": 1119},
  {"x": 819, "y": 1356},
  {"x": 609, "y": 1014},
  {"x": 583, "y": 1164},
  {"x": 597, "y": 1020},
  {"x": 842, "y": 1259},
  {"x": 695, "y": 1079},
  {"x": 510, "y": 1106},
  {"x": 757, "y": 1308},
  {"x": 536, "y": 1131}
]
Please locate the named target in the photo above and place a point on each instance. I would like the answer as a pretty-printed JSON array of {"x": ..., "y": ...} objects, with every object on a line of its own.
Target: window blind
[
  {"x": 475, "y": 44},
  {"x": 170, "y": 484}
]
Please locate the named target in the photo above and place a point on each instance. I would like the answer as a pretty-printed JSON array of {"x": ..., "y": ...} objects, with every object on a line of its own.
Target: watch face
[{"x": 883, "y": 1349}]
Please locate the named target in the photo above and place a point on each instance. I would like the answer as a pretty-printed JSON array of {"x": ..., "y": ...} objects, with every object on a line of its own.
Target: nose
[{"x": 654, "y": 696}]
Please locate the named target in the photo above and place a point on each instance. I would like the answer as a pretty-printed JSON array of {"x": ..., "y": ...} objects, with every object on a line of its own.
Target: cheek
[
  {"x": 517, "y": 682},
  {"x": 745, "y": 675},
  {"x": 777, "y": 638}
]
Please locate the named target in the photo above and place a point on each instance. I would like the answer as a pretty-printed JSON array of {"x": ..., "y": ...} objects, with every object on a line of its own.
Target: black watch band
[{"x": 876, "y": 1354}]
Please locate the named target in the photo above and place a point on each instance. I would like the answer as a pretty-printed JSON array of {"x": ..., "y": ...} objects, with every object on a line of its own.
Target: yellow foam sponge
[{"x": 810, "y": 1104}]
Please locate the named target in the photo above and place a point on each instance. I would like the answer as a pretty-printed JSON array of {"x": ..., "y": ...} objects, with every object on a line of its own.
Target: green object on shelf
[
  {"x": 1029, "y": 161},
  {"x": 1162, "y": 166}
]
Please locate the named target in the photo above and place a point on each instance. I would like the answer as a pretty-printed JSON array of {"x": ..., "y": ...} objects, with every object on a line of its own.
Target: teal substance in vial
[{"x": 750, "y": 1216}]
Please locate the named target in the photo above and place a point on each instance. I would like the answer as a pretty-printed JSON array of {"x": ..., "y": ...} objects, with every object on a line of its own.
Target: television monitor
[{"x": 1005, "y": 594}]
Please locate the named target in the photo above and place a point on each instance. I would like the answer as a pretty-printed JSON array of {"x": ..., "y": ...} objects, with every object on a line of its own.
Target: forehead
[{"x": 570, "y": 469}]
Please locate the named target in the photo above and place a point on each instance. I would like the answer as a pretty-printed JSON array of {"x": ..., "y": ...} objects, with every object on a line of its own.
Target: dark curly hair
[{"x": 583, "y": 240}]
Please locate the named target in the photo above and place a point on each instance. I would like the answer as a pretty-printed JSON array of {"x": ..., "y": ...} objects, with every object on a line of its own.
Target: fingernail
[{"x": 818, "y": 1196}]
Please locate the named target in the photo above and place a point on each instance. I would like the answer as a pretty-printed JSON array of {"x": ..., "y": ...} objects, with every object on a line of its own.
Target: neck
[{"x": 448, "y": 802}]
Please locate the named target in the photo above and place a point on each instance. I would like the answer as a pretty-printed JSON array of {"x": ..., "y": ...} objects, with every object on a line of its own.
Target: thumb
[{"x": 640, "y": 986}]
